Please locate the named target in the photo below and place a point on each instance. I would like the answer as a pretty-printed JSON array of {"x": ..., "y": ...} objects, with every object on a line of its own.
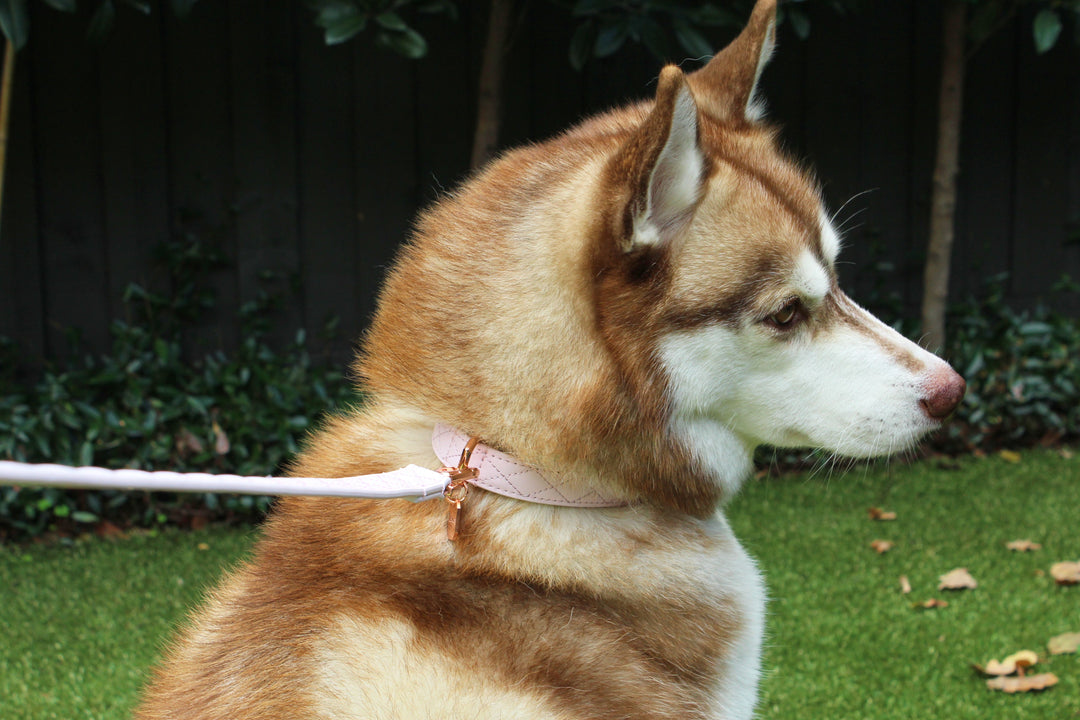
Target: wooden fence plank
[
  {"x": 73, "y": 239},
  {"x": 21, "y": 311},
  {"x": 134, "y": 154},
  {"x": 386, "y": 164},
  {"x": 876, "y": 216},
  {"x": 328, "y": 246},
  {"x": 987, "y": 162},
  {"x": 201, "y": 179},
  {"x": 262, "y": 67},
  {"x": 1041, "y": 205},
  {"x": 445, "y": 107}
]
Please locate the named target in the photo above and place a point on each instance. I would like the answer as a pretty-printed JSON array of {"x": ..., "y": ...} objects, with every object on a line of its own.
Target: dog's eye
[{"x": 786, "y": 316}]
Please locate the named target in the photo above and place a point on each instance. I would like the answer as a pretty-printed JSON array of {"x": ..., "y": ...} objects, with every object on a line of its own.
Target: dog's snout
[{"x": 942, "y": 392}]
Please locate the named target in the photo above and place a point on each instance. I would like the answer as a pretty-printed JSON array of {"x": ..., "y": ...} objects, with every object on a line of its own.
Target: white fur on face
[
  {"x": 852, "y": 387},
  {"x": 830, "y": 239},
  {"x": 810, "y": 279}
]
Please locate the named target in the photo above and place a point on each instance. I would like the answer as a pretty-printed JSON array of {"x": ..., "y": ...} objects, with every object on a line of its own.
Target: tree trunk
[
  {"x": 489, "y": 92},
  {"x": 5, "y": 110},
  {"x": 946, "y": 166}
]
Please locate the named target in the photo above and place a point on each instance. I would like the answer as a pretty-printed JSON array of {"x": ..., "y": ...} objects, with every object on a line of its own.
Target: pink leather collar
[{"x": 504, "y": 475}]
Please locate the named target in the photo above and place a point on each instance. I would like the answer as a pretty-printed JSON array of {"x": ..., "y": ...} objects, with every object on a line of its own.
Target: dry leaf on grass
[
  {"x": 931, "y": 604},
  {"x": 879, "y": 514},
  {"x": 1017, "y": 662},
  {"x": 1064, "y": 644},
  {"x": 1028, "y": 683},
  {"x": 958, "y": 579},
  {"x": 1066, "y": 573},
  {"x": 882, "y": 546},
  {"x": 1010, "y": 456},
  {"x": 905, "y": 585},
  {"x": 1023, "y": 545}
]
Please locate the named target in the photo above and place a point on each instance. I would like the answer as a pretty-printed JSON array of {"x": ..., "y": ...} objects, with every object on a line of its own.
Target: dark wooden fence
[{"x": 238, "y": 126}]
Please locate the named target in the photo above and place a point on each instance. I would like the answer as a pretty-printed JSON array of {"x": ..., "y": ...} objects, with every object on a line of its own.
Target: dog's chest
[{"x": 655, "y": 630}]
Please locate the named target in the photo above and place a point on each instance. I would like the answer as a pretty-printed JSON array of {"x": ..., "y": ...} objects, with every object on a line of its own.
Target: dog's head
[
  {"x": 645, "y": 299},
  {"x": 725, "y": 253}
]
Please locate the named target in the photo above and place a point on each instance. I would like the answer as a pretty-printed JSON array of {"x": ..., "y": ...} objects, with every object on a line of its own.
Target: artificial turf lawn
[{"x": 81, "y": 625}]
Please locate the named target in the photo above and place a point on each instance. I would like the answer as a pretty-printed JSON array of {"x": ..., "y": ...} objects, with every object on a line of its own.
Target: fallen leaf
[
  {"x": 1028, "y": 683},
  {"x": 1023, "y": 545},
  {"x": 958, "y": 579},
  {"x": 1066, "y": 453},
  {"x": 879, "y": 514},
  {"x": 1016, "y": 662},
  {"x": 203, "y": 546},
  {"x": 1064, "y": 644},
  {"x": 1065, "y": 573},
  {"x": 221, "y": 440},
  {"x": 882, "y": 546},
  {"x": 905, "y": 585},
  {"x": 187, "y": 443},
  {"x": 1010, "y": 456},
  {"x": 106, "y": 529},
  {"x": 931, "y": 604}
]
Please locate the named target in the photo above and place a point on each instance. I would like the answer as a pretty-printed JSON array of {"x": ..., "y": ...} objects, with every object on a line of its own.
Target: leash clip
[{"x": 458, "y": 488}]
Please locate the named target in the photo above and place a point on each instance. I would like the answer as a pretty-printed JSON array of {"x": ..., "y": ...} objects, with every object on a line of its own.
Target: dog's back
[{"x": 631, "y": 307}]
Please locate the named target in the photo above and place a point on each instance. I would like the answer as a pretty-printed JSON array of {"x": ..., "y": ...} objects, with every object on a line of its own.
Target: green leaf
[
  {"x": 15, "y": 21},
  {"x": 581, "y": 45},
  {"x": 86, "y": 454},
  {"x": 407, "y": 43},
  {"x": 82, "y": 516},
  {"x": 712, "y": 15},
  {"x": 800, "y": 23},
  {"x": 143, "y": 7},
  {"x": 439, "y": 6},
  {"x": 692, "y": 40},
  {"x": 1046, "y": 29},
  {"x": 329, "y": 12},
  {"x": 591, "y": 7},
  {"x": 654, "y": 38},
  {"x": 344, "y": 29},
  {"x": 391, "y": 21},
  {"x": 610, "y": 39},
  {"x": 101, "y": 24},
  {"x": 61, "y": 5}
]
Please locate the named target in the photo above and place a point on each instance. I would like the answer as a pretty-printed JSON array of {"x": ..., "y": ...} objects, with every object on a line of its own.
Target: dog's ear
[
  {"x": 726, "y": 87},
  {"x": 664, "y": 165}
]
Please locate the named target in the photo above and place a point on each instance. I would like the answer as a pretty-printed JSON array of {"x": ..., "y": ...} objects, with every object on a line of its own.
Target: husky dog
[{"x": 621, "y": 315}]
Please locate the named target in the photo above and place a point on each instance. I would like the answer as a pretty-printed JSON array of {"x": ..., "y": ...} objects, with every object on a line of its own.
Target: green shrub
[
  {"x": 146, "y": 405},
  {"x": 1022, "y": 370}
]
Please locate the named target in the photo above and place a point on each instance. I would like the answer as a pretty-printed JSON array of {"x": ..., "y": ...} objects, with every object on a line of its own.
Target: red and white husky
[{"x": 624, "y": 312}]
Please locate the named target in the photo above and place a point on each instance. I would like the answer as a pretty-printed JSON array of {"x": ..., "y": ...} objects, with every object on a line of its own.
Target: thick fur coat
[{"x": 637, "y": 304}]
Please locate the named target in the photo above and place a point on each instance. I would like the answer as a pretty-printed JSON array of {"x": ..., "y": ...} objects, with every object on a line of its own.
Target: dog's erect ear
[
  {"x": 663, "y": 163},
  {"x": 726, "y": 86}
]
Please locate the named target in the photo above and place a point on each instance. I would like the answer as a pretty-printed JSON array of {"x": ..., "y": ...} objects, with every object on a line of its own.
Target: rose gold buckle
[{"x": 458, "y": 488}]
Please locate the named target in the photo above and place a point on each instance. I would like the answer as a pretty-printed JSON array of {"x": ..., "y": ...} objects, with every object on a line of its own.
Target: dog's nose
[{"x": 942, "y": 392}]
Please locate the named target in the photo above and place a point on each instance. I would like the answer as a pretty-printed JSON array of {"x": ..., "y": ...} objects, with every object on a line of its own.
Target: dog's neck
[{"x": 502, "y": 474}]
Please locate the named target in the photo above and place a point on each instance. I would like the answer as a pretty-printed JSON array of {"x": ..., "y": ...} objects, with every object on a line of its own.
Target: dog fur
[{"x": 638, "y": 303}]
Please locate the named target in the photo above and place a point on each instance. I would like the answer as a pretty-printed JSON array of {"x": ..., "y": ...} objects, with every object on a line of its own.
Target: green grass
[
  {"x": 80, "y": 625},
  {"x": 843, "y": 641}
]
